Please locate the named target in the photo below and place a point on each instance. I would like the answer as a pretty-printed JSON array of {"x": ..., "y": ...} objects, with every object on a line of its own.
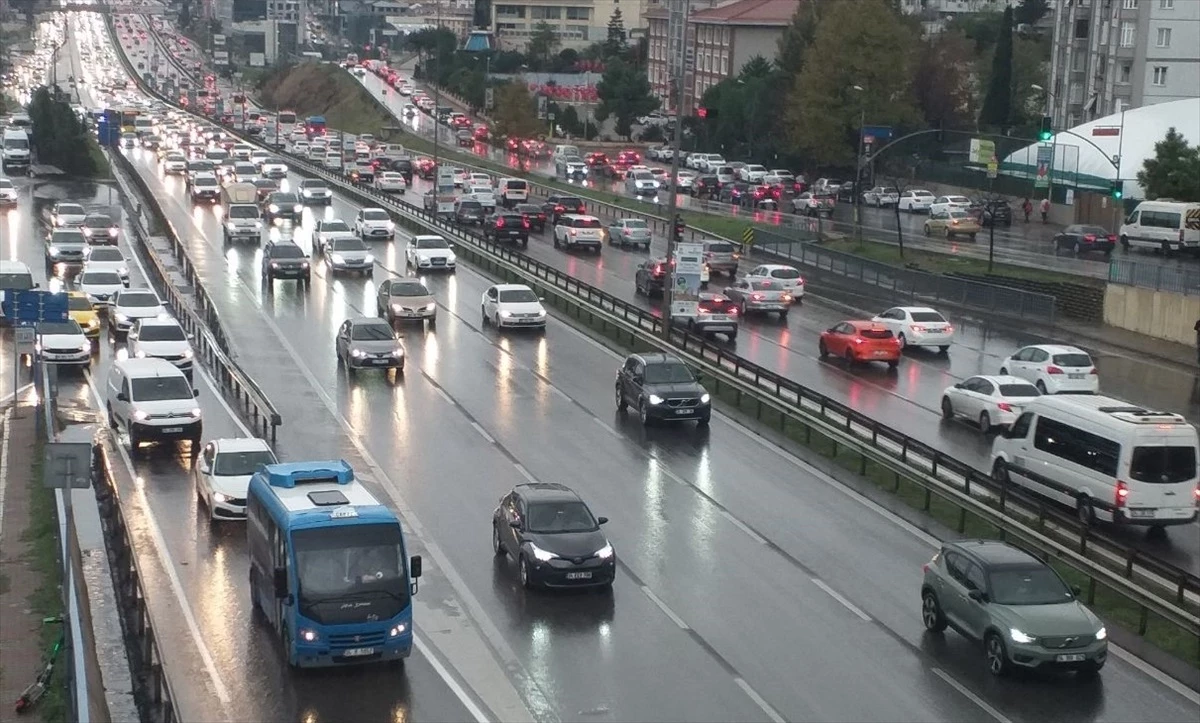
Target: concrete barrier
[{"x": 1160, "y": 314}]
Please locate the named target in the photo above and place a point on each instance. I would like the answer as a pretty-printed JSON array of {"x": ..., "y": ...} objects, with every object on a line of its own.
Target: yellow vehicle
[
  {"x": 82, "y": 312},
  {"x": 129, "y": 119},
  {"x": 953, "y": 223}
]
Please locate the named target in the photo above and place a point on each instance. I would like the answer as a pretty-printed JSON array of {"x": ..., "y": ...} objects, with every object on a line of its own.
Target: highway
[{"x": 750, "y": 586}]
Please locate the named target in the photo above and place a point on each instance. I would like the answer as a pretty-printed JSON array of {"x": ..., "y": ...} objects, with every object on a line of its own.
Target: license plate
[
  {"x": 172, "y": 430},
  {"x": 934, "y": 331},
  {"x": 358, "y": 652},
  {"x": 579, "y": 576},
  {"x": 683, "y": 411},
  {"x": 1141, "y": 513},
  {"x": 881, "y": 353},
  {"x": 380, "y": 362},
  {"x": 1070, "y": 658}
]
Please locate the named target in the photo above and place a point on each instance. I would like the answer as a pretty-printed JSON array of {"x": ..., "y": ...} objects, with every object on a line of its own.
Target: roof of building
[{"x": 749, "y": 12}]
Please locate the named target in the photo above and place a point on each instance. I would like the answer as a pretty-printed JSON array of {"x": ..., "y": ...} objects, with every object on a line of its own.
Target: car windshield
[
  {"x": 97, "y": 221},
  {"x": 587, "y": 223},
  {"x": 785, "y": 274},
  {"x": 69, "y": 209},
  {"x": 669, "y": 373},
  {"x": 634, "y": 223},
  {"x": 105, "y": 253},
  {"x": 518, "y": 296},
  {"x": 1019, "y": 390},
  {"x": 348, "y": 243},
  {"x": 313, "y": 184},
  {"x": 957, "y": 215},
  {"x": 246, "y": 169},
  {"x": 157, "y": 389},
  {"x": 1027, "y": 586},
  {"x": 78, "y": 303},
  {"x": 205, "y": 181},
  {"x": 332, "y": 226},
  {"x": 52, "y": 328},
  {"x": 137, "y": 300},
  {"x": 1163, "y": 465},
  {"x": 99, "y": 278},
  {"x": 241, "y": 464},
  {"x": 720, "y": 248},
  {"x": 287, "y": 251},
  {"x": 363, "y": 562},
  {"x": 283, "y": 198},
  {"x": 1077, "y": 359},
  {"x": 470, "y": 205},
  {"x": 243, "y": 212},
  {"x": 766, "y": 285},
  {"x": 375, "y": 215},
  {"x": 162, "y": 332},
  {"x": 432, "y": 243},
  {"x": 68, "y": 237},
  {"x": 409, "y": 288},
  {"x": 928, "y": 316},
  {"x": 371, "y": 332},
  {"x": 548, "y": 518}
]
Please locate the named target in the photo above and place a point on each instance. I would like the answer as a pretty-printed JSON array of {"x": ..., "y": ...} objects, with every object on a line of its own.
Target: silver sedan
[
  {"x": 629, "y": 232},
  {"x": 760, "y": 296}
]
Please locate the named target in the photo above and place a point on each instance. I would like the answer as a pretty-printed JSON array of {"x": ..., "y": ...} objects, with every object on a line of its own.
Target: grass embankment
[
  {"x": 46, "y": 600},
  {"x": 326, "y": 90},
  {"x": 939, "y": 263}
]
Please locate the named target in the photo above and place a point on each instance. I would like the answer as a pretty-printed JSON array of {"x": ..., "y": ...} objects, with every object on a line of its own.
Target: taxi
[
  {"x": 952, "y": 223},
  {"x": 81, "y": 310}
]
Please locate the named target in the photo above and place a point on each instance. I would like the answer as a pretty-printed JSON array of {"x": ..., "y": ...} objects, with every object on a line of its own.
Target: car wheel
[
  {"x": 822, "y": 350},
  {"x": 985, "y": 423},
  {"x": 903, "y": 341},
  {"x": 483, "y": 316},
  {"x": 1075, "y": 248},
  {"x": 526, "y": 578},
  {"x": 849, "y": 357},
  {"x": 927, "y": 232},
  {"x": 643, "y": 413},
  {"x": 112, "y": 421},
  {"x": 1000, "y": 472},
  {"x": 1084, "y": 512},
  {"x": 1003, "y": 371},
  {"x": 742, "y": 309},
  {"x": 931, "y": 613},
  {"x": 621, "y": 403},
  {"x": 497, "y": 545},
  {"x": 947, "y": 408},
  {"x": 134, "y": 440},
  {"x": 1041, "y": 386},
  {"x": 943, "y": 350},
  {"x": 996, "y": 655},
  {"x": 704, "y": 421}
]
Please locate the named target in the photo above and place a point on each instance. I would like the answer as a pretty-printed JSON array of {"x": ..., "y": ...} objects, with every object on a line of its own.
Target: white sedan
[
  {"x": 787, "y": 276},
  {"x": 512, "y": 306},
  {"x": 918, "y": 326},
  {"x": 988, "y": 401},
  {"x": 430, "y": 252},
  {"x": 391, "y": 182},
  {"x": 916, "y": 201},
  {"x": 222, "y": 474},
  {"x": 946, "y": 204},
  {"x": 1054, "y": 368}
]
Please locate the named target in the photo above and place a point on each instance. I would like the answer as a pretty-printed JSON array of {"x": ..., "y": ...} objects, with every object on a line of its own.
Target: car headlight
[
  {"x": 397, "y": 353},
  {"x": 430, "y": 306},
  {"x": 540, "y": 554},
  {"x": 122, "y": 317},
  {"x": 123, "y": 271},
  {"x": 140, "y": 415},
  {"x": 140, "y": 354},
  {"x": 218, "y": 497},
  {"x": 1102, "y": 634},
  {"x": 655, "y": 399},
  {"x": 298, "y": 208},
  {"x": 605, "y": 552},
  {"x": 54, "y": 251},
  {"x": 397, "y": 630},
  {"x": 273, "y": 208},
  {"x": 308, "y": 635},
  {"x": 86, "y": 231},
  {"x": 195, "y": 412},
  {"x": 356, "y": 353},
  {"x": 391, "y": 225},
  {"x": 304, "y": 265},
  {"x": 258, "y": 224},
  {"x": 187, "y": 354},
  {"x": 505, "y": 314},
  {"x": 337, "y": 259},
  {"x": 368, "y": 259},
  {"x": 451, "y": 259},
  {"x": 93, "y": 323},
  {"x": 307, "y": 192},
  {"x": 704, "y": 398},
  {"x": 1020, "y": 637},
  {"x": 113, "y": 232}
]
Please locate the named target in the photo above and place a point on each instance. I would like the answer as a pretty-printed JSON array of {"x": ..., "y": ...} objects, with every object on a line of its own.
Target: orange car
[{"x": 861, "y": 341}]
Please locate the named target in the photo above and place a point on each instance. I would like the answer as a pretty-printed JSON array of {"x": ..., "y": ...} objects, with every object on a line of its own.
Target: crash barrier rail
[
  {"x": 203, "y": 327},
  {"x": 1011, "y": 510},
  {"x": 1175, "y": 279},
  {"x": 909, "y": 284},
  {"x": 156, "y": 699}
]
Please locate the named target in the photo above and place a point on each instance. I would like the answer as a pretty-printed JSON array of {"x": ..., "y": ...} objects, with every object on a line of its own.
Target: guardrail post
[
  {"x": 1143, "y": 620},
  {"x": 928, "y": 500},
  {"x": 962, "y": 520}
]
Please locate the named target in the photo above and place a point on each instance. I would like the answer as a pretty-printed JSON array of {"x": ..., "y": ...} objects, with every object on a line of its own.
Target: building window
[
  {"x": 1126, "y": 72},
  {"x": 1160, "y": 75},
  {"x": 1131, "y": 4},
  {"x": 577, "y": 13},
  {"x": 1076, "y": 93},
  {"x": 1128, "y": 34},
  {"x": 1164, "y": 37},
  {"x": 1166, "y": 4},
  {"x": 1081, "y": 28},
  {"x": 1077, "y": 61}
]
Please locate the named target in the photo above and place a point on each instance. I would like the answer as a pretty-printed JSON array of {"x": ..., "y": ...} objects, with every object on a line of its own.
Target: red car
[
  {"x": 596, "y": 159},
  {"x": 861, "y": 341},
  {"x": 629, "y": 158},
  {"x": 481, "y": 133}
]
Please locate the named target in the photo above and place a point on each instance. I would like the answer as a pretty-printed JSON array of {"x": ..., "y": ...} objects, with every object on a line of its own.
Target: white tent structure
[{"x": 1131, "y": 134}]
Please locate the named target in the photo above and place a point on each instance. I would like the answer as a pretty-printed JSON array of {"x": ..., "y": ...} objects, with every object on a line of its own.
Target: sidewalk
[{"x": 29, "y": 578}]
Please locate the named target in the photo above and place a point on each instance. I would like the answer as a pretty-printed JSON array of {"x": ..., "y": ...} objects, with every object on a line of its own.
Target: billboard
[
  {"x": 982, "y": 151},
  {"x": 221, "y": 57},
  {"x": 685, "y": 292},
  {"x": 258, "y": 60}
]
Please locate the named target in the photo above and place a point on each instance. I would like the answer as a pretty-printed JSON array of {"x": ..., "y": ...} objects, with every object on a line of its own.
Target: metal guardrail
[
  {"x": 1175, "y": 279},
  {"x": 157, "y": 704},
  {"x": 203, "y": 324},
  {"x": 911, "y": 284},
  {"x": 939, "y": 474}
]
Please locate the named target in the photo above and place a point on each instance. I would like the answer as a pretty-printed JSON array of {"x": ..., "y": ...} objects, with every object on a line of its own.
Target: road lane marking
[
  {"x": 483, "y": 433},
  {"x": 443, "y": 671},
  {"x": 966, "y": 692},
  {"x": 168, "y": 563},
  {"x": 759, "y": 701},
  {"x": 840, "y": 598},
  {"x": 666, "y": 610},
  {"x": 1192, "y": 696},
  {"x": 742, "y": 526},
  {"x": 4, "y": 427},
  {"x": 606, "y": 427},
  {"x": 442, "y": 393},
  {"x": 524, "y": 472}
]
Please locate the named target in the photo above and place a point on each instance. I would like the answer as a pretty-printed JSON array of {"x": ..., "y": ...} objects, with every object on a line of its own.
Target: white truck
[
  {"x": 441, "y": 201},
  {"x": 243, "y": 218}
]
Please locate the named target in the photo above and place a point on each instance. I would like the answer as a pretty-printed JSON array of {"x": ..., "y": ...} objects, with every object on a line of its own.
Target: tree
[
  {"x": 1174, "y": 171},
  {"x": 62, "y": 140},
  {"x": 614, "y": 44},
  {"x": 624, "y": 92},
  {"x": 515, "y": 115},
  {"x": 542, "y": 42},
  {"x": 997, "y": 104},
  {"x": 483, "y": 14},
  {"x": 1031, "y": 11},
  {"x": 900, "y": 173},
  {"x": 857, "y": 46},
  {"x": 796, "y": 39},
  {"x": 942, "y": 83},
  {"x": 185, "y": 16}
]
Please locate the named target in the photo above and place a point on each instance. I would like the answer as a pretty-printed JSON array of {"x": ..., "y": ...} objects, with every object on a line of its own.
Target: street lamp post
[
  {"x": 437, "y": 94},
  {"x": 858, "y": 164}
]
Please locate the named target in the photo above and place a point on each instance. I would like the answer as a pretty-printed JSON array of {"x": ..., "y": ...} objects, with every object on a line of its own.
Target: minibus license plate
[
  {"x": 1070, "y": 658},
  {"x": 579, "y": 576},
  {"x": 358, "y": 652},
  {"x": 172, "y": 430},
  {"x": 1142, "y": 513}
]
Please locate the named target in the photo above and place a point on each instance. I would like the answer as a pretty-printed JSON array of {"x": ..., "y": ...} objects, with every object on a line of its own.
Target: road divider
[{"x": 1153, "y": 599}]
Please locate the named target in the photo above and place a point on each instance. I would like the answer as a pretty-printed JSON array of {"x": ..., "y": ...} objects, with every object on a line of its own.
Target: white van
[
  {"x": 152, "y": 401},
  {"x": 1109, "y": 459},
  {"x": 513, "y": 191},
  {"x": 1166, "y": 225},
  {"x": 566, "y": 151},
  {"x": 15, "y": 150},
  {"x": 14, "y": 276}
]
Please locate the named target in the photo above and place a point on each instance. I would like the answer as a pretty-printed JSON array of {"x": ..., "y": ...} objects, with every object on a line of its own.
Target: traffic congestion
[{"x": 485, "y": 435}]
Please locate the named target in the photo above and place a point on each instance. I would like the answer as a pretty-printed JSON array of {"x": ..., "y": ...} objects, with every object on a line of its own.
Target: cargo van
[
  {"x": 512, "y": 191},
  {"x": 1166, "y": 225},
  {"x": 16, "y": 149},
  {"x": 243, "y": 218},
  {"x": 152, "y": 401},
  {"x": 1108, "y": 459},
  {"x": 14, "y": 276}
]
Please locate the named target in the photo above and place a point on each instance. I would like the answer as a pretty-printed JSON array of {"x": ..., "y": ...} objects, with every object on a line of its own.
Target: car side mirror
[
  {"x": 541, "y": 298},
  {"x": 195, "y": 393},
  {"x": 515, "y": 524},
  {"x": 122, "y": 397},
  {"x": 958, "y": 386},
  {"x": 978, "y": 596},
  {"x": 37, "y": 285},
  {"x": 601, "y": 520},
  {"x": 1077, "y": 590},
  {"x": 280, "y": 580},
  {"x": 414, "y": 566},
  {"x": 638, "y": 379},
  {"x": 191, "y": 337}
]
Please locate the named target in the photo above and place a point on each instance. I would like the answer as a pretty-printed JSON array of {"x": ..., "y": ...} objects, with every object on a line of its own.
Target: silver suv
[{"x": 1018, "y": 606}]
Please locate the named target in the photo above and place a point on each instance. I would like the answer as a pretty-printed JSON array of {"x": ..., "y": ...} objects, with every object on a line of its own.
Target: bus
[
  {"x": 287, "y": 117},
  {"x": 328, "y": 566},
  {"x": 314, "y": 126}
]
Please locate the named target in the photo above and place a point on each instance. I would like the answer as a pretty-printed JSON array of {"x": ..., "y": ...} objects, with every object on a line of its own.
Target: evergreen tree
[
  {"x": 614, "y": 44},
  {"x": 1031, "y": 11},
  {"x": 514, "y": 115},
  {"x": 997, "y": 104},
  {"x": 61, "y": 139},
  {"x": 1174, "y": 171},
  {"x": 624, "y": 92}
]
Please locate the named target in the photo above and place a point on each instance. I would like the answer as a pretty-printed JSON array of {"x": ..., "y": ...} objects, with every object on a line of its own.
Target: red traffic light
[{"x": 702, "y": 112}]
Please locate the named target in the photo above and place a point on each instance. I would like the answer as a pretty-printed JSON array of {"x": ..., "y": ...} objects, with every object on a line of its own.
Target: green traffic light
[{"x": 1045, "y": 136}]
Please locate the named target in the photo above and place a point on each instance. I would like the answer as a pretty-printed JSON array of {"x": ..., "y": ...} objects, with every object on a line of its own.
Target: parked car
[{"x": 916, "y": 200}]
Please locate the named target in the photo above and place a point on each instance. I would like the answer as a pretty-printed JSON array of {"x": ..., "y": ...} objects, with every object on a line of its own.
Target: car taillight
[
  {"x": 574, "y": 232},
  {"x": 559, "y": 209},
  {"x": 1053, "y": 370},
  {"x": 1121, "y": 495},
  {"x": 1094, "y": 371},
  {"x": 918, "y": 329},
  {"x": 581, "y": 209},
  {"x": 756, "y": 297},
  {"x": 925, "y": 567},
  {"x": 1197, "y": 494},
  {"x": 658, "y": 269},
  {"x": 1090, "y": 238},
  {"x": 948, "y": 328},
  {"x": 499, "y": 223},
  {"x": 1112, "y": 238},
  {"x": 525, "y": 223},
  {"x": 1004, "y": 406},
  {"x": 786, "y": 297},
  {"x": 541, "y": 217}
]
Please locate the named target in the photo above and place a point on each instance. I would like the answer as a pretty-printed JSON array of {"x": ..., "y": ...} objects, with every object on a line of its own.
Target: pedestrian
[
  {"x": 1027, "y": 207},
  {"x": 1045, "y": 210},
  {"x": 1197, "y": 327}
]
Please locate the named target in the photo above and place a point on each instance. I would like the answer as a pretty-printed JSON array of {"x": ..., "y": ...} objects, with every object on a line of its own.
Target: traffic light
[
  {"x": 1118, "y": 189},
  {"x": 1047, "y": 132},
  {"x": 677, "y": 230},
  {"x": 702, "y": 112}
]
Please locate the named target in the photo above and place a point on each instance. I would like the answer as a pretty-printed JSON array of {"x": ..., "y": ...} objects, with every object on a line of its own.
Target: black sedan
[
  {"x": 282, "y": 205},
  {"x": 553, "y": 537},
  {"x": 534, "y": 214},
  {"x": 1080, "y": 239},
  {"x": 507, "y": 226}
]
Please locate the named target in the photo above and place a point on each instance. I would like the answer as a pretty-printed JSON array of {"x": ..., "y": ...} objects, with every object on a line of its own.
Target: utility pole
[
  {"x": 677, "y": 53},
  {"x": 437, "y": 95},
  {"x": 858, "y": 163}
]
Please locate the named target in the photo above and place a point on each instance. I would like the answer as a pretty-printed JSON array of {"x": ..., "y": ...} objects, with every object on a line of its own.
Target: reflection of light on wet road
[{"x": 13, "y": 222}]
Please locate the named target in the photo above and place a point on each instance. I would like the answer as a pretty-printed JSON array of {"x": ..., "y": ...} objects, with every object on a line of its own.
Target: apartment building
[
  {"x": 578, "y": 23},
  {"x": 1112, "y": 55},
  {"x": 956, "y": 7},
  {"x": 723, "y": 38}
]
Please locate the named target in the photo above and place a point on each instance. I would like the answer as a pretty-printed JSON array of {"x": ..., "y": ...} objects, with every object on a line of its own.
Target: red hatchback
[{"x": 861, "y": 341}]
